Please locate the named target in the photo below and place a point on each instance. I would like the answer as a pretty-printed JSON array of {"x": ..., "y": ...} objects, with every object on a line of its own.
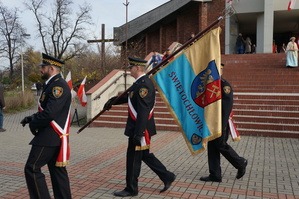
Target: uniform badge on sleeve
[
  {"x": 143, "y": 92},
  {"x": 227, "y": 89},
  {"x": 57, "y": 91}
]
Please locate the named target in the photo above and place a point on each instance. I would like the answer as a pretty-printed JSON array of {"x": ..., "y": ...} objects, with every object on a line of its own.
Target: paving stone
[{"x": 98, "y": 155}]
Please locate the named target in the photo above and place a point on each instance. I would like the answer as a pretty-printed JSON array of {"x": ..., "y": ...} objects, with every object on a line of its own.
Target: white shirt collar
[
  {"x": 139, "y": 77},
  {"x": 49, "y": 79}
]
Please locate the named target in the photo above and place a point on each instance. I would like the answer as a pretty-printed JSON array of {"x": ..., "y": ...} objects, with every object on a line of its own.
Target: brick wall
[
  {"x": 169, "y": 34},
  {"x": 187, "y": 22},
  {"x": 153, "y": 41}
]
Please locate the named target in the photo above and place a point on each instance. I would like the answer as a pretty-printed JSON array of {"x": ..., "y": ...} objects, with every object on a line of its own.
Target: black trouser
[
  {"x": 217, "y": 146},
  {"x": 134, "y": 159},
  {"x": 35, "y": 179}
]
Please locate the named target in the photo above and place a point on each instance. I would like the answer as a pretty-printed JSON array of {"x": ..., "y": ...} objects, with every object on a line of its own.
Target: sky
[{"x": 112, "y": 13}]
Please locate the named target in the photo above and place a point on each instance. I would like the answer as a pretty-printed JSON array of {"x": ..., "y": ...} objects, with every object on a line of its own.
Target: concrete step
[
  {"x": 267, "y": 107},
  {"x": 125, "y": 108},
  {"x": 260, "y": 96},
  {"x": 118, "y": 124},
  {"x": 243, "y": 87},
  {"x": 274, "y": 113},
  {"x": 268, "y": 126},
  {"x": 124, "y": 113},
  {"x": 117, "y": 118},
  {"x": 268, "y": 133},
  {"x": 265, "y": 101},
  {"x": 269, "y": 119}
]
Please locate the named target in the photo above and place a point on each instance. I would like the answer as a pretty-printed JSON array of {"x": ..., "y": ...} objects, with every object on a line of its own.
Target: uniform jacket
[
  {"x": 55, "y": 101},
  {"x": 142, "y": 95},
  {"x": 227, "y": 102}
]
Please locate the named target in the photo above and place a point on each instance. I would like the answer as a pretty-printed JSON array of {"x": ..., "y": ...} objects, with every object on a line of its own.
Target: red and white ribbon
[
  {"x": 232, "y": 128},
  {"x": 145, "y": 140},
  {"x": 64, "y": 153}
]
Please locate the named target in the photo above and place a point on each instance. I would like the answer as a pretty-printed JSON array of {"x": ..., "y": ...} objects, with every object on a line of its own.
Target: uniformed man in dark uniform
[
  {"x": 50, "y": 127},
  {"x": 219, "y": 145},
  {"x": 140, "y": 127}
]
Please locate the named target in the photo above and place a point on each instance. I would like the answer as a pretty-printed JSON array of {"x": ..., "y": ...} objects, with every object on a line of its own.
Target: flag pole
[{"x": 228, "y": 11}]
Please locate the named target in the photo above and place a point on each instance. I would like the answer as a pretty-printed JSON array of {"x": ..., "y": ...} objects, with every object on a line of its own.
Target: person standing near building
[
  {"x": 240, "y": 44},
  {"x": 50, "y": 127},
  {"x": 166, "y": 54},
  {"x": 283, "y": 48},
  {"x": 192, "y": 35},
  {"x": 2, "y": 107},
  {"x": 219, "y": 145},
  {"x": 292, "y": 54},
  {"x": 156, "y": 59},
  {"x": 248, "y": 45},
  {"x": 139, "y": 128},
  {"x": 274, "y": 47}
]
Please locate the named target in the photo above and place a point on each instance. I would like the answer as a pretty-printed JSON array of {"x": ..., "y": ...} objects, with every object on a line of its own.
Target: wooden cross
[{"x": 103, "y": 41}]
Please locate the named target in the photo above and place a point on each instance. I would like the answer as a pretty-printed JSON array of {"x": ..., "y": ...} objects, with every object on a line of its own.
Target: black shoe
[
  {"x": 242, "y": 171},
  {"x": 124, "y": 193},
  {"x": 210, "y": 179},
  {"x": 167, "y": 184}
]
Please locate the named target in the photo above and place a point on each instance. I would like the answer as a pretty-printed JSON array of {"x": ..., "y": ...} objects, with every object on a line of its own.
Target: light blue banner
[{"x": 174, "y": 83}]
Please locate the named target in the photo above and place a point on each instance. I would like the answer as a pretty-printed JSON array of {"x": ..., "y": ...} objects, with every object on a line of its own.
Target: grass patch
[{"x": 15, "y": 101}]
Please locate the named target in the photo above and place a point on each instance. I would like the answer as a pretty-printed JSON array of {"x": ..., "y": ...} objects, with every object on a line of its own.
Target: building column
[
  {"x": 264, "y": 29},
  {"x": 227, "y": 35},
  {"x": 231, "y": 33}
]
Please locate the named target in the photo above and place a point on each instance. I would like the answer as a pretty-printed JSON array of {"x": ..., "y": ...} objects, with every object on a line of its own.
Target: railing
[
  {"x": 111, "y": 85},
  {"x": 108, "y": 86}
]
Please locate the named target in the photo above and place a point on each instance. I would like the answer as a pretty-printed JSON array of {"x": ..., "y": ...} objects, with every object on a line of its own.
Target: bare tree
[
  {"x": 11, "y": 38},
  {"x": 61, "y": 29}
]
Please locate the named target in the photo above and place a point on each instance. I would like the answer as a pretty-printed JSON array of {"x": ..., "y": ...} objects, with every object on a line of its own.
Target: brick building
[
  {"x": 171, "y": 22},
  {"x": 262, "y": 20}
]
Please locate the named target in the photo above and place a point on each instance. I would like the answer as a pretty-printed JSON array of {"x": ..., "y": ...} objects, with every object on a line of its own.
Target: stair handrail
[{"x": 107, "y": 87}]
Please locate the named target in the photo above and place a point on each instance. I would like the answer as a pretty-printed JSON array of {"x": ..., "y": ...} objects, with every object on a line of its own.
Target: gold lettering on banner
[{"x": 186, "y": 102}]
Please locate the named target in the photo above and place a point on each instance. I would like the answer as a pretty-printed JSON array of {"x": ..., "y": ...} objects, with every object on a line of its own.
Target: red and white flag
[
  {"x": 291, "y": 4},
  {"x": 81, "y": 93},
  {"x": 68, "y": 79}
]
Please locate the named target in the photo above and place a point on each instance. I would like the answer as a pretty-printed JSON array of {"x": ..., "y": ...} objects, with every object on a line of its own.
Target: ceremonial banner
[{"x": 190, "y": 85}]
